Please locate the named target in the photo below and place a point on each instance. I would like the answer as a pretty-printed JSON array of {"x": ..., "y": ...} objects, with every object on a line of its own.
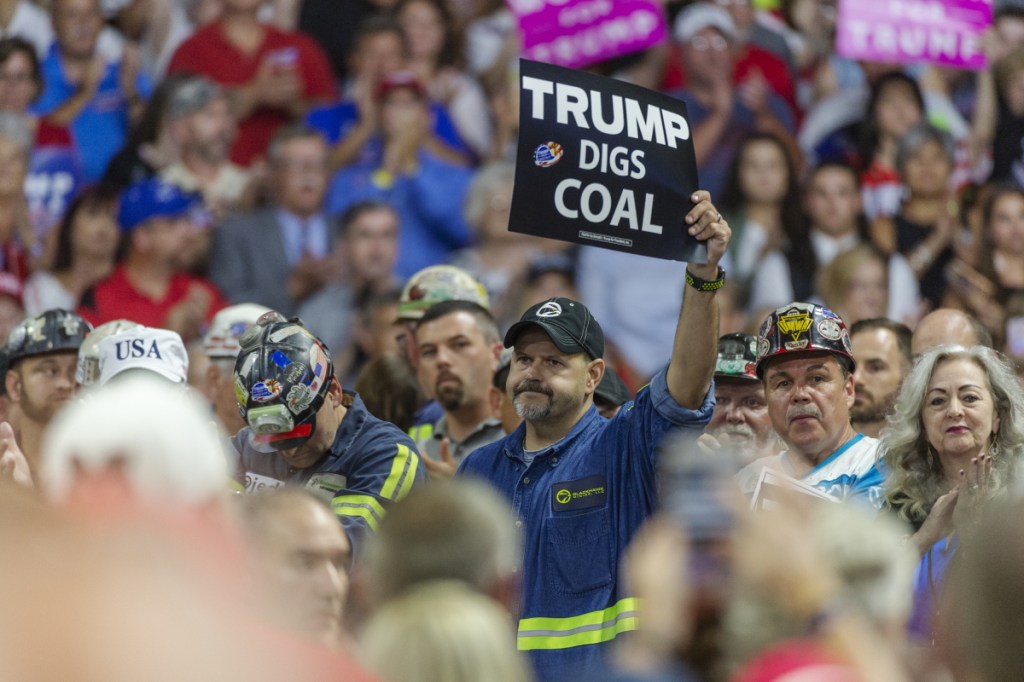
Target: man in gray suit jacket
[{"x": 280, "y": 255}]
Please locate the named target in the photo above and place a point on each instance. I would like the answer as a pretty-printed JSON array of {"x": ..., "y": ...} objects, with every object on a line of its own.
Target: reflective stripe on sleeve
[
  {"x": 403, "y": 473},
  {"x": 588, "y": 628},
  {"x": 364, "y": 507}
]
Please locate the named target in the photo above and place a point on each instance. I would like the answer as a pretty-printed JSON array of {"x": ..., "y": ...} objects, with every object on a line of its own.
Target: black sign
[{"x": 603, "y": 163}]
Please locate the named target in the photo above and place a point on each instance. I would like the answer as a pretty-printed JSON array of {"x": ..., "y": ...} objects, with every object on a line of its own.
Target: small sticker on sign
[{"x": 548, "y": 154}]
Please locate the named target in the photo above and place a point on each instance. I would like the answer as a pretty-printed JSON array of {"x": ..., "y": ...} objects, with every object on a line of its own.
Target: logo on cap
[{"x": 549, "y": 309}]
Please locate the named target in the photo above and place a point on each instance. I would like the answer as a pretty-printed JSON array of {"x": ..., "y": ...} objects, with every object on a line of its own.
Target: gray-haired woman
[{"x": 953, "y": 443}]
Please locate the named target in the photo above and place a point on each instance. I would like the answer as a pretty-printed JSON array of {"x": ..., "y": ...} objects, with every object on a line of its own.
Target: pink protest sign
[
  {"x": 575, "y": 33},
  {"x": 946, "y": 32}
]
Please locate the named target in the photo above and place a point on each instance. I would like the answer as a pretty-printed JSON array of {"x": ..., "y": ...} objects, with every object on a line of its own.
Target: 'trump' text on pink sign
[
  {"x": 575, "y": 33},
  {"x": 946, "y": 32}
]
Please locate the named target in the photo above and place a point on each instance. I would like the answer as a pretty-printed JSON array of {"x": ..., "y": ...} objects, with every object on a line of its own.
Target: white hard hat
[
  {"x": 87, "y": 371},
  {"x": 221, "y": 340}
]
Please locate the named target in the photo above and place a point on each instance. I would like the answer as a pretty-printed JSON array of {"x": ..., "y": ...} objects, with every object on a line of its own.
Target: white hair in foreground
[{"x": 158, "y": 435}]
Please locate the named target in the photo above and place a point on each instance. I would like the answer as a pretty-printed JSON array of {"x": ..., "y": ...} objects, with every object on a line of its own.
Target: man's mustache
[
  {"x": 533, "y": 386},
  {"x": 804, "y": 411}
]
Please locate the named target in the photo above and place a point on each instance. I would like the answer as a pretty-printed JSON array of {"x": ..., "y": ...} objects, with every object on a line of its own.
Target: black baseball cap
[{"x": 568, "y": 323}]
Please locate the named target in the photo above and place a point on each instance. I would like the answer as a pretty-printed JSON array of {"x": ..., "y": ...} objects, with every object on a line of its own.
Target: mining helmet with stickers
[
  {"x": 801, "y": 328},
  {"x": 439, "y": 283},
  {"x": 282, "y": 376},
  {"x": 52, "y": 331},
  {"x": 737, "y": 358}
]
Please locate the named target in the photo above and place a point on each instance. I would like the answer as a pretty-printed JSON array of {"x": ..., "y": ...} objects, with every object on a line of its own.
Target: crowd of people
[{"x": 299, "y": 405}]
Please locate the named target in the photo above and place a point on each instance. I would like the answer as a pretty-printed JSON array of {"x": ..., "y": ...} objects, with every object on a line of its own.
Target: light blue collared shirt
[{"x": 299, "y": 236}]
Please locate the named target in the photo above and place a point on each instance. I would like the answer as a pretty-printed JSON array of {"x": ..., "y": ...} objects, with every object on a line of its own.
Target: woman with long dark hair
[{"x": 87, "y": 240}]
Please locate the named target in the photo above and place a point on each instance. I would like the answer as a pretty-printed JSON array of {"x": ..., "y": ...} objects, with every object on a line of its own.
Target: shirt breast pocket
[{"x": 580, "y": 549}]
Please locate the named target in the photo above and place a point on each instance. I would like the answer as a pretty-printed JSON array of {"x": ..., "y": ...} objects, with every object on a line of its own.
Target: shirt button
[
  {"x": 526, "y": 480},
  {"x": 554, "y": 460},
  {"x": 519, "y": 524}
]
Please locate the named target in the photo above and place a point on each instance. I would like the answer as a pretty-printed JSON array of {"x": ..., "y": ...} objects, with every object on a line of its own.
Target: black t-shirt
[
  {"x": 333, "y": 25},
  {"x": 1008, "y": 148}
]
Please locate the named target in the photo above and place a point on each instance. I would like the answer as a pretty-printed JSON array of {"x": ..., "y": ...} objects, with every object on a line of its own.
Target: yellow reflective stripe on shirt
[
  {"x": 366, "y": 507},
  {"x": 588, "y": 628},
  {"x": 421, "y": 433},
  {"x": 403, "y": 473}
]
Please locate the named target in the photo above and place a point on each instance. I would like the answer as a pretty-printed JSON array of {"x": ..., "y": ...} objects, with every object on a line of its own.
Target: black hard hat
[
  {"x": 737, "y": 357},
  {"x": 282, "y": 376},
  {"x": 52, "y": 331},
  {"x": 801, "y": 328}
]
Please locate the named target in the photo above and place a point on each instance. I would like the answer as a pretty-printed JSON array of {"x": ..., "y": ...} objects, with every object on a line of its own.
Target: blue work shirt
[
  {"x": 370, "y": 465},
  {"x": 578, "y": 503},
  {"x": 100, "y": 130}
]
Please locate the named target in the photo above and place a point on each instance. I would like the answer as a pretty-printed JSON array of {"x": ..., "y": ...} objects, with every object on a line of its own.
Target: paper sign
[
  {"x": 773, "y": 486},
  {"x": 576, "y": 33},
  {"x": 946, "y": 32},
  {"x": 603, "y": 163}
]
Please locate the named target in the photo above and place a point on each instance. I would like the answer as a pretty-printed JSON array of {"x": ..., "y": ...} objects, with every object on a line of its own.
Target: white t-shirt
[{"x": 851, "y": 472}]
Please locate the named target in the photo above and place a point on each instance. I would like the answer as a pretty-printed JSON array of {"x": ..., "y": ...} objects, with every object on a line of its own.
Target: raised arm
[{"x": 696, "y": 339}]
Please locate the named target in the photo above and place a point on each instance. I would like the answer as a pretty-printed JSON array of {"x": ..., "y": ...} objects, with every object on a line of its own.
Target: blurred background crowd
[{"x": 162, "y": 161}]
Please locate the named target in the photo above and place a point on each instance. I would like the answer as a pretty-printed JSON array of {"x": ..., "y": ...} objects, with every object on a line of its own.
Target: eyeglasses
[{"x": 716, "y": 43}]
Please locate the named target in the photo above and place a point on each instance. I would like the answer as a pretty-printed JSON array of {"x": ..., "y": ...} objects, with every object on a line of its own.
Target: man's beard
[
  {"x": 450, "y": 395},
  {"x": 735, "y": 434},
  {"x": 532, "y": 412},
  {"x": 871, "y": 410},
  {"x": 40, "y": 413}
]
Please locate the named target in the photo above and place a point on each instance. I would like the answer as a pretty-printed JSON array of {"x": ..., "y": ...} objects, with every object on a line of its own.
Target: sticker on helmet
[
  {"x": 796, "y": 345},
  {"x": 318, "y": 364},
  {"x": 286, "y": 332},
  {"x": 730, "y": 366},
  {"x": 241, "y": 395},
  {"x": 845, "y": 340},
  {"x": 295, "y": 373},
  {"x": 830, "y": 329},
  {"x": 262, "y": 391},
  {"x": 763, "y": 346},
  {"x": 794, "y": 323},
  {"x": 280, "y": 359},
  {"x": 71, "y": 325},
  {"x": 299, "y": 398},
  {"x": 547, "y": 154}
]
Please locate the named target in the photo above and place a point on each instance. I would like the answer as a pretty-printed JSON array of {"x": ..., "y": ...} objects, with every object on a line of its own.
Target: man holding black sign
[{"x": 581, "y": 485}]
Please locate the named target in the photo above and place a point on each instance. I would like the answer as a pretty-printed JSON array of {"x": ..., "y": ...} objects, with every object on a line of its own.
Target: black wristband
[{"x": 705, "y": 284}]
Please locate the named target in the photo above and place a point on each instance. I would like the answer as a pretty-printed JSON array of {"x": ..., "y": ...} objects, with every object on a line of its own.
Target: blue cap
[{"x": 153, "y": 199}]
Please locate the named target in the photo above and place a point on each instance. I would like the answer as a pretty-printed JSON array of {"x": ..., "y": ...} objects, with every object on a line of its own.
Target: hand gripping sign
[{"x": 603, "y": 163}]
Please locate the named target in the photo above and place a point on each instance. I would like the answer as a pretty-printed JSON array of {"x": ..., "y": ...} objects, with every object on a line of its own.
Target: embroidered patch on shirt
[{"x": 583, "y": 493}]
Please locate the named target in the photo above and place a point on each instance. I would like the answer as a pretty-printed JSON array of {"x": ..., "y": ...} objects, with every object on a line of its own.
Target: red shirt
[
  {"x": 209, "y": 53},
  {"x": 115, "y": 298},
  {"x": 754, "y": 58}
]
